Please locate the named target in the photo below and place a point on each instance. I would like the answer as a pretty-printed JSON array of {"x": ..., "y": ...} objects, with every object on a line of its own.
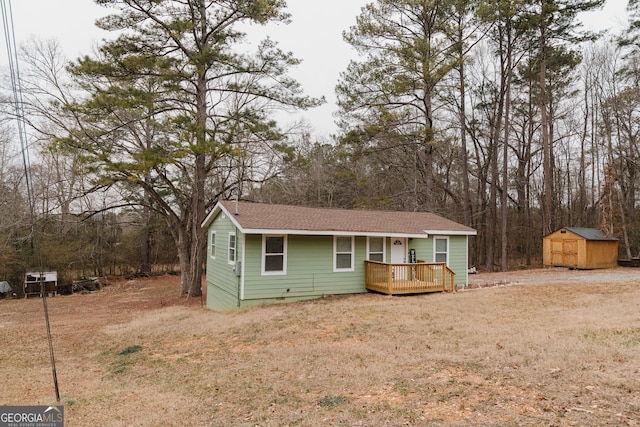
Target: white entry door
[
  {"x": 398, "y": 250},
  {"x": 398, "y": 256}
]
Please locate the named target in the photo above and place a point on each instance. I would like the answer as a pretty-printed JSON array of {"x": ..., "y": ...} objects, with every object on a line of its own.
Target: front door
[
  {"x": 398, "y": 250},
  {"x": 398, "y": 256}
]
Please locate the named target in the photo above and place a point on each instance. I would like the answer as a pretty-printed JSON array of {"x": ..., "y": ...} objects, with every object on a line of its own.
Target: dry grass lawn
[{"x": 133, "y": 354}]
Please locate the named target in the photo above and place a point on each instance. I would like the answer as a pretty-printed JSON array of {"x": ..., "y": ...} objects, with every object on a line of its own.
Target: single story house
[
  {"x": 580, "y": 248},
  {"x": 264, "y": 253}
]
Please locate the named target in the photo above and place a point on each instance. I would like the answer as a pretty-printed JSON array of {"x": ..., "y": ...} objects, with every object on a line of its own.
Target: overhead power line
[{"x": 18, "y": 103}]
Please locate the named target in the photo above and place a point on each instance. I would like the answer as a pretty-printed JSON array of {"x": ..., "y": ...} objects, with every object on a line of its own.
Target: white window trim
[
  {"x": 384, "y": 247},
  {"x": 435, "y": 238},
  {"x": 264, "y": 255},
  {"x": 235, "y": 249},
  {"x": 335, "y": 253},
  {"x": 212, "y": 239}
]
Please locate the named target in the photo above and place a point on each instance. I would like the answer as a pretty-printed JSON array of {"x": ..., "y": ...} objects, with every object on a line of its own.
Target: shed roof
[
  {"x": 269, "y": 218},
  {"x": 590, "y": 233}
]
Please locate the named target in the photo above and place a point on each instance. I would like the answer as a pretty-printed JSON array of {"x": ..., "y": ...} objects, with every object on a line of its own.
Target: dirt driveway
[{"x": 554, "y": 275}]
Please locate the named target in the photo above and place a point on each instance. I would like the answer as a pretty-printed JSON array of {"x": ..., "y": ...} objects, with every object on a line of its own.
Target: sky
[{"x": 314, "y": 35}]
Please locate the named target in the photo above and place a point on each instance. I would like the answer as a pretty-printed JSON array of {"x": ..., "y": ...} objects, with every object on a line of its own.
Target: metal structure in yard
[
  {"x": 5, "y": 288},
  {"x": 90, "y": 284},
  {"x": 36, "y": 282}
]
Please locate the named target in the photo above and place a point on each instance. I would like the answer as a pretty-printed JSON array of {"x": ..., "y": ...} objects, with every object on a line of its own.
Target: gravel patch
[{"x": 553, "y": 275}]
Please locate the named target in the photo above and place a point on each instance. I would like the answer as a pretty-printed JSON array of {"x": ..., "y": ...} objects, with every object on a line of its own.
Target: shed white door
[{"x": 398, "y": 250}]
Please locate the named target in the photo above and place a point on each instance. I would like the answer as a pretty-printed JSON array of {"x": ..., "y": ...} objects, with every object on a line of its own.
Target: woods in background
[{"x": 504, "y": 115}]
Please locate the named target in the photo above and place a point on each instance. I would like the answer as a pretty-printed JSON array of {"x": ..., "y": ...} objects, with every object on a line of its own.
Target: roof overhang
[
  {"x": 214, "y": 212},
  {"x": 331, "y": 233}
]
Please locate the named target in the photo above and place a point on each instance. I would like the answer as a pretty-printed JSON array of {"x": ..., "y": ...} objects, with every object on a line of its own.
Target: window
[
  {"x": 375, "y": 248},
  {"x": 212, "y": 245},
  {"x": 441, "y": 250},
  {"x": 274, "y": 255},
  {"x": 343, "y": 253},
  {"x": 232, "y": 248}
]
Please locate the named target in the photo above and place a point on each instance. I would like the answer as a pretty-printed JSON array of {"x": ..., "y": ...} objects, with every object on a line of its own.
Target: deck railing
[{"x": 412, "y": 278}]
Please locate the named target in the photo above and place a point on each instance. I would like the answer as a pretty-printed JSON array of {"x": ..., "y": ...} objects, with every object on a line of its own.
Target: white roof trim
[
  {"x": 209, "y": 218},
  {"x": 219, "y": 207},
  {"x": 329, "y": 233},
  {"x": 452, "y": 233}
]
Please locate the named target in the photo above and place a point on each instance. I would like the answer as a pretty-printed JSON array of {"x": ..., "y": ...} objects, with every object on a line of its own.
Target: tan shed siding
[
  {"x": 564, "y": 248},
  {"x": 222, "y": 282},
  {"x": 582, "y": 254},
  {"x": 309, "y": 270},
  {"x": 602, "y": 254}
]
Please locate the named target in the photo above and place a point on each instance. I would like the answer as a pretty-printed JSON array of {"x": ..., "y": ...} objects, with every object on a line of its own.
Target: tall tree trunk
[
  {"x": 529, "y": 226},
  {"x": 145, "y": 238},
  {"x": 582, "y": 174},
  {"x": 546, "y": 142},
  {"x": 462, "y": 118},
  {"x": 184, "y": 257},
  {"x": 464, "y": 162},
  {"x": 145, "y": 250},
  {"x": 198, "y": 234},
  {"x": 428, "y": 152},
  {"x": 493, "y": 196},
  {"x": 504, "y": 199},
  {"x": 495, "y": 174}
]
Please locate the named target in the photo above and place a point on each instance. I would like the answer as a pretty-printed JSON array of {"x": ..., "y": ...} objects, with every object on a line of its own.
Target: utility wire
[
  {"x": 10, "y": 40},
  {"x": 12, "y": 53}
]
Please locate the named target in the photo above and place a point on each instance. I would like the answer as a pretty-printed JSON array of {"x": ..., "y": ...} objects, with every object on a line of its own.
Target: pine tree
[
  {"x": 390, "y": 94},
  {"x": 172, "y": 103}
]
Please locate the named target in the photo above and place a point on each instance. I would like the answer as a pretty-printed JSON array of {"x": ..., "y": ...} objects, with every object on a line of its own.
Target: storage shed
[{"x": 582, "y": 248}]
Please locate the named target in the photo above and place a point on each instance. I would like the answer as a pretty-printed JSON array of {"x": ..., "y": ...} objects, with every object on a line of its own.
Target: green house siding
[
  {"x": 423, "y": 248},
  {"x": 309, "y": 267},
  {"x": 309, "y": 270},
  {"x": 458, "y": 258},
  {"x": 223, "y": 285},
  {"x": 457, "y": 254}
]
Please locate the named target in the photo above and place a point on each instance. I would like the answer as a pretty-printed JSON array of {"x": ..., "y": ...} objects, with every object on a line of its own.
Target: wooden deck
[{"x": 397, "y": 279}]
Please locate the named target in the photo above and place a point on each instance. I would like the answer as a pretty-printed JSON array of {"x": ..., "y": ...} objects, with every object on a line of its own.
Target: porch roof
[{"x": 262, "y": 218}]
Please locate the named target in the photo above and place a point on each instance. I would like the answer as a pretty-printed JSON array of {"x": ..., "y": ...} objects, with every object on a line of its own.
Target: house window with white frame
[
  {"x": 232, "y": 248},
  {"x": 274, "y": 254},
  {"x": 375, "y": 249},
  {"x": 343, "y": 253},
  {"x": 441, "y": 249},
  {"x": 212, "y": 245}
]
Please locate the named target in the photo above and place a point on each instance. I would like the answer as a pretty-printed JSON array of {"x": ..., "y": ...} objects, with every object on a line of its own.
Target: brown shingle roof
[{"x": 258, "y": 217}]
